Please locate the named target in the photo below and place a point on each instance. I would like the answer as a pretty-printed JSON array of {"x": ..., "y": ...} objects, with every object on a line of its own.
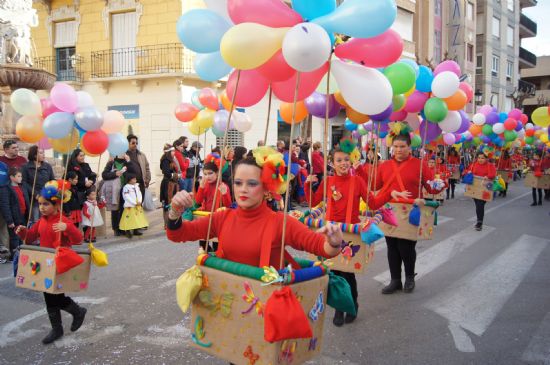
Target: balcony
[
  {"x": 527, "y": 3},
  {"x": 526, "y": 59},
  {"x": 527, "y": 27},
  {"x": 68, "y": 69},
  {"x": 162, "y": 60}
]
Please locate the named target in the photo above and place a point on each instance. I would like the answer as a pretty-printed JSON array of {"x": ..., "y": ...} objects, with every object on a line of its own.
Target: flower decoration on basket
[
  {"x": 56, "y": 190},
  {"x": 273, "y": 169}
]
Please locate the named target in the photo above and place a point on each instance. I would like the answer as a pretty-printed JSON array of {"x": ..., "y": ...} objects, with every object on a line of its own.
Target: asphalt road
[{"x": 481, "y": 298}]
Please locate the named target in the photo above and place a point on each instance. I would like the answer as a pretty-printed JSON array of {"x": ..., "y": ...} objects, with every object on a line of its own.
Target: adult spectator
[
  {"x": 86, "y": 177},
  {"x": 194, "y": 166},
  {"x": 11, "y": 155},
  {"x": 181, "y": 162},
  {"x": 144, "y": 174},
  {"x": 169, "y": 185},
  {"x": 317, "y": 161},
  {"x": 44, "y": 173}
]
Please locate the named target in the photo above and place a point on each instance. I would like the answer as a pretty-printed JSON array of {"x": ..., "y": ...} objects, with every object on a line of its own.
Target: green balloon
[
  {"x": 402, "y": 77},
  {"x": 529, "y": 140},
  {"x": 487, "y": 130},
  {"x": 416, "y": 141},
  {"x": 477, "y": 141},
  {"x": 398, "y": 102},
  {"x": 435, "y": 110},
  {"x": 510, "y": 136}
]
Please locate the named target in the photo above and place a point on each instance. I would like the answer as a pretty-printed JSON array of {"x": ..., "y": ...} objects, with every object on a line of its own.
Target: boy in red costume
[{"x": 482, "y": 168}]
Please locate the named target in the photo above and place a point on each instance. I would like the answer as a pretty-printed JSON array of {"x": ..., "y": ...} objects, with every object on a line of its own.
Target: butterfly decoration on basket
[
  {"x": 349, "y": 250},
  {"x": 271, "y": 276},
  {"x": 254, "y": 301},
  {"x": 318, "y": 307},
  {"x": 221, "y": 303},
  {"x": 250, "y": 355},
  {"x": 287, "y": 352}
]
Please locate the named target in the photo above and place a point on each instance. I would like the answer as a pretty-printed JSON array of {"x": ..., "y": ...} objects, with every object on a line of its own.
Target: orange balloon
[
  {"x": 29, "y": 128},
  {"x": 475, "y": 129},
  {"x": 340, "y": 99},
  {"x": 457, "y": 101},
  {"x": 286, "y": 109},
  {"x": 226, "y": 102},
  {"x": 356, "y": 117}
]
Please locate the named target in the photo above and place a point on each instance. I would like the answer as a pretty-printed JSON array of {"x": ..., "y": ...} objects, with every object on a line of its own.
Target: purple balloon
[
  {"x": 316, "y": 105},
  {"x": 464, "y": 123},
  {"x": 485, "y": 139},
  {"x": 492, "y": 118},
  {"x": 380, "y": 126},
  {"x": 519, "y": 127},
  {"x": 431, "y": 133},
  {"x": 368, "y": 126},
  {"x": 384, "y": 115}
]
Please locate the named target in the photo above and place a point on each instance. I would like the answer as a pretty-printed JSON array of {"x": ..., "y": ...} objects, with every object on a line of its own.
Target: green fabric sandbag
[{"x": 339, "y": 294}]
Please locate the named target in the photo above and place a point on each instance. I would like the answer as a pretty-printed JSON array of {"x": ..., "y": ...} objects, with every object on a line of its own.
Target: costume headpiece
[
  {"x": 348, "y": 145},
  {"x": 273, "y": 168},
  {"x": 213, "y": 158},
  {"x": 56, "y": 190}
]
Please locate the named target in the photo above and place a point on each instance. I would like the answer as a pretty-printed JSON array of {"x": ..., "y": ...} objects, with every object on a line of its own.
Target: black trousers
[
  {"x": 480, "y": 209},
  {"x": 350, "y": 278},
  {"x": 56, "y": 301},
  {"x": 534, "y": 191},
  {"x": 451, "y": 188},
  {"x": 401, "y": 251}
]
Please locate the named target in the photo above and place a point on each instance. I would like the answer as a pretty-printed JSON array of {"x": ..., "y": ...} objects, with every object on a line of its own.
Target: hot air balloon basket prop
[
  {"x": 480, "y": 189},
  {"x": 439, "y": 196},
  {"x": 455, "y": 171},
  {"x": 505, "y": 175},
  {"x": 532, "y": 181},
  {"x": 53, "y": 271},
  {"x": 251, "y": 315},
  {"x": 414, "y": 222}
]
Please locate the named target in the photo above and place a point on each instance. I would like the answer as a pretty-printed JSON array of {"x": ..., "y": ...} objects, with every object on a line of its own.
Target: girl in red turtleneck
[{"x": 482, "y": 168}]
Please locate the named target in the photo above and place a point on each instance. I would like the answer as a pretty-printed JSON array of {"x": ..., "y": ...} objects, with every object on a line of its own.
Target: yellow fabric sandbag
[
  {"x": 188, "y": 286},
  {"x": 99, "y": 258}
]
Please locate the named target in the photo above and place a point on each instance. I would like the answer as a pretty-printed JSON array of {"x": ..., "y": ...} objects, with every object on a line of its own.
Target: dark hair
[
  {"x": 71, "y": 175},
  {"x": 129, "y": 176},
  {"x": 210, "y": 166},
  {"x": 453, "y": 152},
  {"x": 402, "y": 137},
  {"x": 480, "y": 153},
  {"x": 177, "y": 142},
  {"x": 183, "y": 139},
  {"x": 12, "y": 171},
  {"x": 132, "y": 136},
  {"x": 217, "y": 150},
  {"x": 538, "y": 153},
  {"x": 90, "y": 190},
  {"x": 9, "y": 143},
  {"x": 249, "y": 161},
  {"x": 33, "y": 153},
  {"x": 240, "y": 151}
]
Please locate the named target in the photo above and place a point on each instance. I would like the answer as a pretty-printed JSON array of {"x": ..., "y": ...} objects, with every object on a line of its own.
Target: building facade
[{"x": 539, "y": 76}]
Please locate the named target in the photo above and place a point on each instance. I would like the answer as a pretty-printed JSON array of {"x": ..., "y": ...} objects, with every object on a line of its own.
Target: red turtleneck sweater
[
  {"x": 205, "y": 196},
  {"x": 409, "y": 170},
  {"x": 487, "y": 170},
  {"x": 453, "y": 160},
  {"x": 48, "y": 238},
  {"x": 241, "y": 233}
]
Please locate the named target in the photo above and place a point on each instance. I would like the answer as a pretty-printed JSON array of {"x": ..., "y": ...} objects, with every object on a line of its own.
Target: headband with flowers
[
  {"x": 56, "y": 190},
  {"x": 273, "y": 168},
  {"x": 349, "y": 146},
  {"x": 213, "y": 158}
]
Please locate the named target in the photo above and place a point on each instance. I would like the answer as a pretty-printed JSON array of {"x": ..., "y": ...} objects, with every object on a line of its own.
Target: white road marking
[
  {"x": 473, "y": 302},
  {"x": 473, "y": 219},
  {"x": 442, "y": 252},
  {"x": 538, "y": 349},
  {"x": 173, "y": 336},
  {"x": 327, "y": 360},
  {"x": 6, "y": 278}
]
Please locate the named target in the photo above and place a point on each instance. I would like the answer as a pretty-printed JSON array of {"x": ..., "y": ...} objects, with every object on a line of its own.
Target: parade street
[{"x": 480, "y": 298}]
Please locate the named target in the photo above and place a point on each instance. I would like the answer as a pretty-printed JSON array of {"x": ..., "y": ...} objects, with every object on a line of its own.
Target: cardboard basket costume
[
  {"x": 505, "y": 174},
  {"x": 532, "y": 181},
  {"x": 438, "y": 196},
  {"x": 454, "y": 170},
  {"x": 414, "y": 223},
  {"x": 38, "y": 270},
  {"x": 249, "y": 315},
  {"x": 480, "y": 188}
]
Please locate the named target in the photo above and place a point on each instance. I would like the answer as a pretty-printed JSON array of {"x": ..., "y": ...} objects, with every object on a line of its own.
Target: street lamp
[{"x": 478, "y": 95}]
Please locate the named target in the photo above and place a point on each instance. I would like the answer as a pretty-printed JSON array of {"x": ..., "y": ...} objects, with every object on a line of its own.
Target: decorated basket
[
  {"x": 454, "y": 170},
  {"x": 37, "y": 270},
  {"x": 532, "y": 181},
  {"x": 234, "y": 310},
  {"x": 505, "y": 174},
  {"x": 414, "y": 223},
  {"x": 481, "y": 189},
  {"x": 439, "y": 196}
]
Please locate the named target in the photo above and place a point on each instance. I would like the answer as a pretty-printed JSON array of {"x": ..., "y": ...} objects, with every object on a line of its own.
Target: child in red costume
[
  {"x": 481, "y": 168},
  {"x": 536, "y": 167},
  {"x": 439, "y": 171},
  {"x": 91, "y": 214},
  {"x": 505, "y": 164},
  {"x": 55, "y": 230}
]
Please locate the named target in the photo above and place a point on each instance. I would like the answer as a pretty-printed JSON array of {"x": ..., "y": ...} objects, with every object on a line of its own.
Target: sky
[{"x": 539, "y": 45}]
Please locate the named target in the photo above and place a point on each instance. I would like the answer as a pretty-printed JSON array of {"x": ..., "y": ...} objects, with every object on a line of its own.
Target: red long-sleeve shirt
[
  {"x": 535, "y": 165},
  {"x": 409, "y": 170},
  {"x": 364, "y": 171},
  {"x": 241, "y": 233},
  {"x": 182, "y": 161},
  {"x": 453, "y": 160},
  {"x": 546, "y": 163},
  {"x": 48, "y": 238},
  {"x": 205, "y": 196},
  {"x": 487, "y": 170},
  {"x": 505, "y": 164},
  {"x": 317, "y": 162}
]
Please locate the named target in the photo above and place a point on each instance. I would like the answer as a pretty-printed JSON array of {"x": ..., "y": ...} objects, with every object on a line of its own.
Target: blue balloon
[
  {"x": 118, "y": 144},
  {"x": 217, "y": 133},
  {"x": 383, "y": 134},
  {"x": 201, "y": 30},
  {"x": 58, "y": 124},
  {"x": 424, "y": 79},
  {"x": 4, "y": 178},
  {"x": 360, "y": 18},
  {"x": 311, "y": 9},
  {"x": 502, "y": 117},
  {"x": 89, "y": 118},
  {"x": 350, "y": 126},
  {"x": 211, "y": 66},
  {"x": 411, "y": 63}
]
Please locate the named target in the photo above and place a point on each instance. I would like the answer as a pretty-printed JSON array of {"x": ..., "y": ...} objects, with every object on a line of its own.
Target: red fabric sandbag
[
  {"x": 66, "y": 259},
  {"x": 284, "y": 317}
]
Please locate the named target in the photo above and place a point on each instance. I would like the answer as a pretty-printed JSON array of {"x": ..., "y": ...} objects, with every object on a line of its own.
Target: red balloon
[
  {"x": 379, "y": 51},
  {"x": 276, "y": 69},
  {"x": 510, "y": 124},
  {"x": 284, "y": 90},
  {"x": 273, "y": 13},
  {"x": 524, "y": 119},
  {"x": 209, "y": 99},
  {"x": 467, "y": 88},
  {"x": 185, "y": 112},
  {"x": 252, "y": 87},
  {"x": 529, "y": 133},
  {"x": 95, "y": 142}
]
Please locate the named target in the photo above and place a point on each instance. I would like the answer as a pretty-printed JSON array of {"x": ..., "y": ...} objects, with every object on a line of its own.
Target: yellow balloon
[
  {"x": 67, "y": 143},
  {"x": 544, "y": 138},
  {"x": 408, "y": 93},
  {"x": 195, "y": 129},
  {"x": 248, "y": 45},
  {"x": 541, "y": 116},
  {"x": 205, "y": 118},
  {"x": 29, "y": 128}
]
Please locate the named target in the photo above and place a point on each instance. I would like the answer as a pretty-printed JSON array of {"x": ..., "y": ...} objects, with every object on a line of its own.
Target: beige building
[{"x": 540, "y": 77}]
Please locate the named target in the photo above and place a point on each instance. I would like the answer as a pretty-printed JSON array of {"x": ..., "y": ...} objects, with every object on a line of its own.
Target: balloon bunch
[
  {"x": 67, "y": 118},
  {"x": 204, "y": 112}
]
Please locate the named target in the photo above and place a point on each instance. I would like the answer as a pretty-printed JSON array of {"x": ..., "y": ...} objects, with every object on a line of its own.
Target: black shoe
[
  {"x": 408, "y": 287},
  {"x": 338, "y": 319},
  {"x": 128, "y": 234},
  {"x": 138, "y": 232},
  {"x": 78, "y": 314},
  {"x": 540, "y": 202},
  {"x": 479, "y": 226},
  {"x": 350, "y": 317},
  {"x": 57, "y": 329},
  {"x": 533, "y": 204},
  {"x": 119, "y": 233},
  {"x": 452, "y": 196},
  {"x": 392, "y": 287}
]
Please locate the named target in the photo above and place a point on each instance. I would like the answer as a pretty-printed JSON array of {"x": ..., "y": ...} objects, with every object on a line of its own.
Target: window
[
  {"x": 437, "y": 7},
  {"x": 65, "y": 64},
  {"x": 508, "y": 104},
  {"x": 470, "y": 52},
  {"x": 437, "y": 47},
  {"x": 496, "y": 27},
  {"x": 65, "y": 34},
  {"x": 469, "y": 11},
  {"x": 234, "y": 138},
  {"x": 495, "y": 65},
  {"x": 510, "y": 36},
  {"x": 124, "y": 30},
  {"x": 479, "y": 64},
  {"x": 404, "y": 24},
  {"x": 494, "y": 100},
  {"x": 511, "y": 5},
  {"x": 509, "y": 70}
]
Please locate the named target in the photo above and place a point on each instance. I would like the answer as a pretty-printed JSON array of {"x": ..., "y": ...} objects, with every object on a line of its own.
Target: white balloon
[
  {"x": 467, "y": 134},
  {"x": 89, "y": 118},
  {"x": 243, "y": 123},
  {"x": 451, "y": 123},
  {"x": 365, "y": 89},
  {"x": 529, "y": 126},
  {"x": 445, "y": 84},
  {"x": 306, "y": 47},
  {"x": 84, "y": 99},
  {"x": 498, "y": 128},
  {"x": 220, "y": 120},
  {"x": 220, "y": 7},
  {"x": 479, "y": 119},
  {"x": 521, "y": 133}
]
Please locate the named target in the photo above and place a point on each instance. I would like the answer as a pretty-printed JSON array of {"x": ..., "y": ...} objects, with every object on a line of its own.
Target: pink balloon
[
  {"x": 449, "y": 139},
  {"x": 413, "y": 121},
  {"x": 252, "y": 87},
  {"x": 415, "y": 102},
  {"x": 485, "y": 110},
  {"x": 448, "y": 65},
  {"x": 48, "y": 107},
  {"x": 44, "y": 144},
  {"x": 379, "y": 51},
  {"x": 284, "y": 90},
  {"x": 272, "y": 13},
  {"x": 209, "y": 99},
  {"x": 467, "y": 88},
  {"x": 64, "y": 97},
  {"x": 515, "y": 114},
  {"x": 276, "y": 69},
  {"x": 398, "y": 116}
]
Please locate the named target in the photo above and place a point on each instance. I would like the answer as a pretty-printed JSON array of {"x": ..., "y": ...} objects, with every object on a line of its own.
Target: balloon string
[
  {"x": 211, "y": 216},
  {"x": 63, "y": 185},
  {"x": 422, "y": 158},
  {"x": 325, "y": 142},
  {"x": 32, "y": 198},
  {"x": 93, "y": 210},
  {"x": 268, "y": 114},
  {"x": 374, "y": 167},
  {"x": 288, "y": 164},
  {"x": 196, "y": 155}
]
